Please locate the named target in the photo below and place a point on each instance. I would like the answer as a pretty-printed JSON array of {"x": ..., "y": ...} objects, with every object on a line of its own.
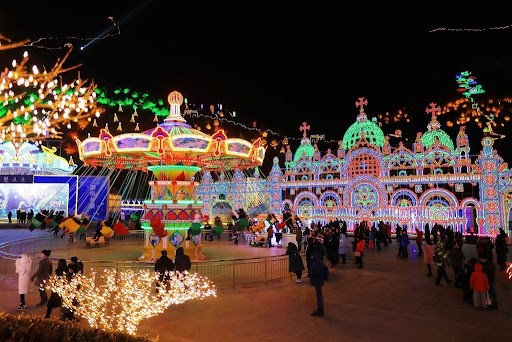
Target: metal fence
[{"x": 223, "y": 273}]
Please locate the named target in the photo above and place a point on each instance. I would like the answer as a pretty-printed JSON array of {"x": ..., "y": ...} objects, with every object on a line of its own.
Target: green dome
[
  {"x": 373, "y": 133},
  {"x": 305, "y": 148},
  {"x": 435, "y": 132},
  {"x": 430, "y": 136}
]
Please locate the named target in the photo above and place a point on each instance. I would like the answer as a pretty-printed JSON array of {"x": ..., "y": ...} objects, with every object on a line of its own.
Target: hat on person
[{"x": 46, "y": 252}]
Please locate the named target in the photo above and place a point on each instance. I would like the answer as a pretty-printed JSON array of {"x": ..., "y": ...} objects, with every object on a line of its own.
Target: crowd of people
[
  {"x": 327, "y": 246},
  {"x": 164, "y": 266},
  {"x": 41, "y": 276},
  {"x": 440, "y": 248}
]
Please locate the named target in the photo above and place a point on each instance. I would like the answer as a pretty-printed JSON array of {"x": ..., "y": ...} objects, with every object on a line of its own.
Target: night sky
[{"x": 279, "y": 66}]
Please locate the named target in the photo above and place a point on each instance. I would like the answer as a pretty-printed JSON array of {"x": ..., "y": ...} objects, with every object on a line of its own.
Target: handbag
[
  {"x": 488, "y": 300},
  {"x": 357, "y": 253}
]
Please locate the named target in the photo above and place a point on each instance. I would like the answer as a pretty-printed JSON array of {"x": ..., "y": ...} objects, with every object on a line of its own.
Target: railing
[{"x": 221, "y": 272}]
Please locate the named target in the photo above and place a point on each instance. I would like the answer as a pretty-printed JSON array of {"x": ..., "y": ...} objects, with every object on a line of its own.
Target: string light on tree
[
  {"x": 36, "y": 104},
  {"x": 126, "y": 297}
]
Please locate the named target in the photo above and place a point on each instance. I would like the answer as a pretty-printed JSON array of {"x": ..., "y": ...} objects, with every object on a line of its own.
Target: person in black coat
[
  {"x": 427, "y": 233},
  {"x": 316, "y": 278},
  {"x": 182, "y": 260},
  {"x": 163, "y": 266},
  {"x": 295, "y": 263},
  {"x": 55, "y": 300},
  {"x": 501, "y": 249}
]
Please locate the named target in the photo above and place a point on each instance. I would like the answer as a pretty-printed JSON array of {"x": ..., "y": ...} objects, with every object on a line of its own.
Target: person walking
[
  {"x": 182, "y": 261},
  {"x": 359, "y": 244},
  {"x": 23, "y": 269},
  {"x": 501, "y": 249},
  {"x": 68, "y": 314},
  {"x": 419, "y": 241},
  {"x": 316, "y": 278},
  {"x": 404, "y": 244},
  {"x": 295, "y": 263},
  {"x": 480, "y": 285},
  {"x": 489, "y": 269},
  {"x": 428, "y": 256},
  {"x": 9, "y": 216},
  {"x": 441, "y": 258},
  {"x": 55, "y": 300},
  {"x": 163, "y": 266},
  {"x": 43, "y": 272},
  {"x": 343, "y": 246},
  {"x": 457, "y": 259}
]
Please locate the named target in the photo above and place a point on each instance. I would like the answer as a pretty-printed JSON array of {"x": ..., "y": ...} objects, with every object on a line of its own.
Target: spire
[
  {"x": 361, "y": 102},
  {"x": 435, "y": 110},
  {"x": 175, "y": 100}
]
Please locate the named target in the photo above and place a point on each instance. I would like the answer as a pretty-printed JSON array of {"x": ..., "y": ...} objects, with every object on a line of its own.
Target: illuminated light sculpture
[
  {"x": 432, "y": 180},
  {"x": 36, "y": 104},
  {"x": 174, "y": 152},
  {"x": 126, "y": 297},
  {"x": 31, "y": 159}
]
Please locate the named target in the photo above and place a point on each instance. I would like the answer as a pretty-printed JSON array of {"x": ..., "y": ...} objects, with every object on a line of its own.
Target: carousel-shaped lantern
[{"x": 174, "y": 152}]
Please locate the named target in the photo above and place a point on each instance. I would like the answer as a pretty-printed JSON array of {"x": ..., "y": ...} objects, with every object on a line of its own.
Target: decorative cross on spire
[
  {"x": 304, "y": 127},
  {"x": 433, "y": 109},
  {"x": 361, "y": 102}
]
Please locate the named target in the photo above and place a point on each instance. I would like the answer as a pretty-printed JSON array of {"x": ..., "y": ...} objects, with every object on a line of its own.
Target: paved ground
[{"x": 389, "y": 300}]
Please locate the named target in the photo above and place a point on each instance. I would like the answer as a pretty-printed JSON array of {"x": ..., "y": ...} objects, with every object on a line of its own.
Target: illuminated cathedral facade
[{"x": 435, "y": 181}]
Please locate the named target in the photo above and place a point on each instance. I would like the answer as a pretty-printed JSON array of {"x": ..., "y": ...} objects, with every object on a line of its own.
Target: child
[{"x": 480, "y": 285}]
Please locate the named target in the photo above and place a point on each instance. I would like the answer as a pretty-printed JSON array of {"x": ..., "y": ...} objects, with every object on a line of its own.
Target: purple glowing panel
[
  {"x": 92, "y": 146},
  {"x": 239, "y": 148},
  {"x": 190, "y": 143},
  {"x": 133, "y": 143}
]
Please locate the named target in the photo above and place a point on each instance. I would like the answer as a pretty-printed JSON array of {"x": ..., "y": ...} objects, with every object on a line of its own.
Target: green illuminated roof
[
  {"x": 435, "y": 132},
  {"x": 444, "y": 139},
  {"x": 305, "y": 148},
  {"x": 373, "y": 133}
]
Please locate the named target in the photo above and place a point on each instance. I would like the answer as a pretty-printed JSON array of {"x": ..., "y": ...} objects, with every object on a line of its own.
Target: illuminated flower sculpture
[
  {"x": 36, "y": 104},
  {"x": 126, "y": 297}
]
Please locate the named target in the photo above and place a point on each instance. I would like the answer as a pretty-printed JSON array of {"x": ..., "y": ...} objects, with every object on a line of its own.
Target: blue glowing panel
[
  {"x": 93, "y": 194},
  {"x": 63, "y": 189}
]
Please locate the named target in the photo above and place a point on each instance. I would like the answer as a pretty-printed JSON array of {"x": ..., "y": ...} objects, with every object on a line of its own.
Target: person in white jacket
[{"x": 24, "y": 269}]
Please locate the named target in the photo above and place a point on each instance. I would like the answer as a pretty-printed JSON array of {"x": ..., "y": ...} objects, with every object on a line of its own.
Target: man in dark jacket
[
  {"x": 43, "y": 272},
  {"x": 316, "y": 278},
  {"x": 163, "y": 266},
  {"x": 182, "y": 260}
]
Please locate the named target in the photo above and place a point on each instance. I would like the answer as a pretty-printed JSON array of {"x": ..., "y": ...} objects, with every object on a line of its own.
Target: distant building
[{"x": 367, "y": 179}]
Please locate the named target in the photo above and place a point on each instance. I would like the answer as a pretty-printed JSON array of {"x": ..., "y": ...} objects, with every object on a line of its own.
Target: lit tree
[
  {"x": 36, "y": 104},
  {"x": 126, "y": 297}
]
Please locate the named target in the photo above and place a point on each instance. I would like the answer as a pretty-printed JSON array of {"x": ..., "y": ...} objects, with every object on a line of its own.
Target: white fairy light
[{"x": 126, "y": 297}]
